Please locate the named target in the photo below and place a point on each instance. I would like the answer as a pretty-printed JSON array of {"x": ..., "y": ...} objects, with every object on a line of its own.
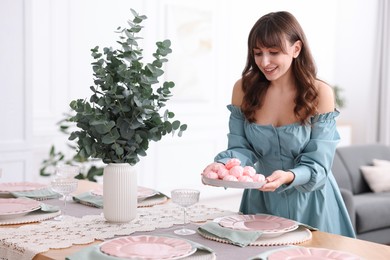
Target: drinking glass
[
  {"x": 67, "y": 170},
  {"x": 64, "y": 183},
  {"x": 184, "y": 198}
]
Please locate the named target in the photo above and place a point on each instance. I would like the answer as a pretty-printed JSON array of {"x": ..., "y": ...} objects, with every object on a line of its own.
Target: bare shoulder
[
  {"x": 326, "y": 99},
  {"x": 238, "y": 93}
]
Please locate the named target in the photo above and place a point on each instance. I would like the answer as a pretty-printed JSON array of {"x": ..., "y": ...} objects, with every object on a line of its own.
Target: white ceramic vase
[{"x": 119, "y": 192}]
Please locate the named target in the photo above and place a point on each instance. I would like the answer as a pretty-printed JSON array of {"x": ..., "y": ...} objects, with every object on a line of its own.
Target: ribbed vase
[{"x": 119, "y": 192}]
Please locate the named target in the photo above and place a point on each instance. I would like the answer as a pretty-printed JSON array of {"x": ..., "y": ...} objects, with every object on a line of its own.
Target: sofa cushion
[
  {"x": 378, "y": 162},
  {"x": 353, "y": 157},
  {"x": 377, "y": 177},
  {"x": 372, "y": 211}
]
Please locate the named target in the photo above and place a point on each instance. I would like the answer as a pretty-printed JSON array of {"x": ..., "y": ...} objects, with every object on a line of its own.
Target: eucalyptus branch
[{"x": 123, "y": 114}]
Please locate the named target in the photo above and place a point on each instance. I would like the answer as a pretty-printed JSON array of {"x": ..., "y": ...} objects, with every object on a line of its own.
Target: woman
[{"x": 282, "y": 123}]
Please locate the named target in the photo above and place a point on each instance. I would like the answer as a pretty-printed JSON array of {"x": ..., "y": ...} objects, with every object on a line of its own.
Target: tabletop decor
[
  {"x": 44, "y": 212},
  {"x": 241, "y": 238},
  {"x": 123, "y": 115},
  {"x": 256, "y": 230},
  {"x": 37, "y": 238},
  {"x": 64, "y": 183},
  {"x": 185, "y": 198},
  {"x": 151, "y": 247}
]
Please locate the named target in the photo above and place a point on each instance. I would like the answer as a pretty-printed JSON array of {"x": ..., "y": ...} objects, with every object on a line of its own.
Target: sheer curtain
[{"x": 381, "y": 86}]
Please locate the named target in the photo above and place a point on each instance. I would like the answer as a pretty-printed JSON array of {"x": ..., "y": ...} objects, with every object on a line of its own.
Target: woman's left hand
[{"x": 277, "y": 179}]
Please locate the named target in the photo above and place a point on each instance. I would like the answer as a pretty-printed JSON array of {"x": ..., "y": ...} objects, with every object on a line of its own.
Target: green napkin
[
  {"x": 97, "y": 201},
  {"x": 89, "y": 199},
  {"x": 49, "y": 208},
  {"x": 93, "y": 252},
  {"x": 90, "y": 253},
  {"x": 307, "y": 226},
  {"x": 237, "y": 237},
  {"x": 42, "y": 194}
]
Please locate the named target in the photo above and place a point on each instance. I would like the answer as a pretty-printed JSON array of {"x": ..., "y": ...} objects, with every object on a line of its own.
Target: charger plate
[
  {"x": 152, "y": 201},
  {"x": 36, "y": 216},
  {"x": 297, "y": 236}
]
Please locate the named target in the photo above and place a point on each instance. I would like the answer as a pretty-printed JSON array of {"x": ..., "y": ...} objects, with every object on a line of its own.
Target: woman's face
[{"x": 273, "y": 62}]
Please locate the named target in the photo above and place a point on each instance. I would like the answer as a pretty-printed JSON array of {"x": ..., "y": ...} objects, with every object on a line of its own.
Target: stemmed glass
[
  {"x": 70, "y": 171},
  {"x": 184, "y": 198},
  {"x": 64, "y": 183}
]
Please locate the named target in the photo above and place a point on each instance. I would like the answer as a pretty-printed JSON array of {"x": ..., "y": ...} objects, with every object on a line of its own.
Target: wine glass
[
  {"x": 64, "y": 183},
  {"x": 67, "y": 170},
  {"x": 184, "y": 198}
]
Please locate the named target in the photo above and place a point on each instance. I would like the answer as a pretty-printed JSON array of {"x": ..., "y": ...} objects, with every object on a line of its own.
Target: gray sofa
[{"x": 369, "y": 211}]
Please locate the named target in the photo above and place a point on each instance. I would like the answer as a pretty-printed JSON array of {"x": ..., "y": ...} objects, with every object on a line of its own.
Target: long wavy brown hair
[{"x": 270, "y": 31}]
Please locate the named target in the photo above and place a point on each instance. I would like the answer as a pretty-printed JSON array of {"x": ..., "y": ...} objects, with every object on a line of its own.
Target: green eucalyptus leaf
[
  {"x": 176, "y": 124},
  {"x": 111, "y": 137}
]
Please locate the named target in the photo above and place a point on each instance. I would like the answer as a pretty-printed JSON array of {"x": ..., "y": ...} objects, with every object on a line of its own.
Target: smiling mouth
[{"x": 268, "y": 71}]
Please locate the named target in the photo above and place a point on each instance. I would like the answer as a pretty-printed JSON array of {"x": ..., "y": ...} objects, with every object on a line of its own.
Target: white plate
[
  {"x": 312, "y": 254},
  {"x": 269, "y": 225},
  {"x": 232, "y": 184},
  {"x": 147, "y": 247},
  {"x": 11, "y": 208},
  {"x": 8, "y": 187}
]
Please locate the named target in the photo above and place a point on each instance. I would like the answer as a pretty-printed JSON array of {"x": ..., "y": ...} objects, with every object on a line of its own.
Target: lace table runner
[{"x": 27, "y": 241}]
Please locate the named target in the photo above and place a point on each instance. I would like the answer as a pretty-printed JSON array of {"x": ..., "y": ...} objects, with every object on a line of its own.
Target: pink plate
[
  {"x": 303, "y": 253},
  {"x": 20, "y": 186},
  {"x": 142, "y": 192},
  {"x": 147, "y": 247},
  {"x": 14, "y": 207},
  {"x": 268, "y": 224}
]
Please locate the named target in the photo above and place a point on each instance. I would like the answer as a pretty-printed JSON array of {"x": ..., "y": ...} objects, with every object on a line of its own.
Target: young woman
[{"x": 282, "y": 122}]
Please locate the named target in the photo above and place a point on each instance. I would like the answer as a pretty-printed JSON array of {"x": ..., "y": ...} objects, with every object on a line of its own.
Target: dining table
[{"x": 84, "y": 226}]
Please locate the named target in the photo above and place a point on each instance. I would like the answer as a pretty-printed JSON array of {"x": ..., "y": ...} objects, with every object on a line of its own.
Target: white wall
[
  {"x": 48, "y": 44},
  {"x": 354, "y": 64},
  {"x": 15, "y": 92}
]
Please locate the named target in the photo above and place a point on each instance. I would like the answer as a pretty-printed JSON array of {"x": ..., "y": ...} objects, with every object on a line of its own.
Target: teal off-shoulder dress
[{"x": 313, "y": 198}]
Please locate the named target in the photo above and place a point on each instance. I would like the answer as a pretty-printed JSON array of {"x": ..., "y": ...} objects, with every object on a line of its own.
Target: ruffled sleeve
[
  {"x": 312, "y": 166},
  {"x": 238, "y": 146}
]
